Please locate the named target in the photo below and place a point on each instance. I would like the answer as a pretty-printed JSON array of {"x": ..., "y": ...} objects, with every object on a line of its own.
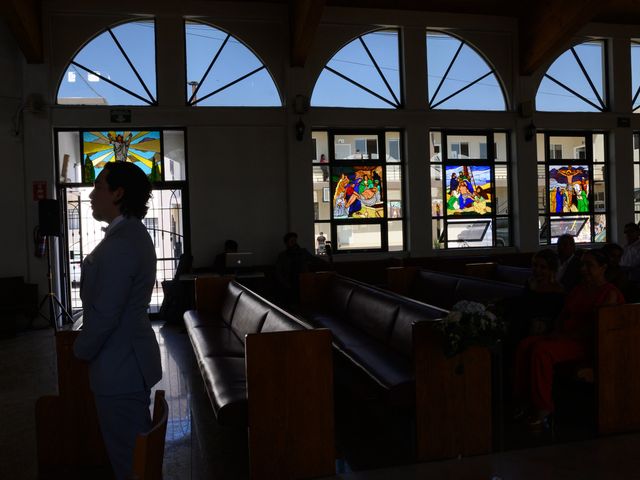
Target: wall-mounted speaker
[{"x": 49, "y": 217}]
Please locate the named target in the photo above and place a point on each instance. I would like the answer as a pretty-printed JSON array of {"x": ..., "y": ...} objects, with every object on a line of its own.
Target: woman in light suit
[{"x": 117, "y": 339}]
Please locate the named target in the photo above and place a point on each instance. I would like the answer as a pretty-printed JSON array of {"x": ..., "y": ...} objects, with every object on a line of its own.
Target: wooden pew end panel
[{"x": 290, "y": 396}]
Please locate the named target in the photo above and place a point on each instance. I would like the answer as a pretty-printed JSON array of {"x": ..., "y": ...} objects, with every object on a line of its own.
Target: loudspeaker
[{"x": 49, "y": 217}]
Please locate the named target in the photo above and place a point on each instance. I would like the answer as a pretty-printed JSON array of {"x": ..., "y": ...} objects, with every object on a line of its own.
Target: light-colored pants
[{"x": 121, "y": 418}]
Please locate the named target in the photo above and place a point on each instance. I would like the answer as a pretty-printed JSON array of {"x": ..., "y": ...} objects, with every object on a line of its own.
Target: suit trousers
[{"x": 122, "y": 418}]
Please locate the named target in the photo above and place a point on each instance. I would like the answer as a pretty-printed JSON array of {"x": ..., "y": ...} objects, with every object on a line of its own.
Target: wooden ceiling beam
[
  {"x": 23, "y": 19},
  {"x": 304, "y": 20},
  {"x": 546, "y": 26}
]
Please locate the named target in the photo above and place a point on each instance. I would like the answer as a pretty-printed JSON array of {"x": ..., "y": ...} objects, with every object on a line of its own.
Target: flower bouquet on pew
[{"x": 470, "y": 323}]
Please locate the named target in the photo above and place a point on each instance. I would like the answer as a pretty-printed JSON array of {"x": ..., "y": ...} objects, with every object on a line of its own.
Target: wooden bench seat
[
  {"x": 265, "y": 371},
  {"x": 391, "y": 339}
]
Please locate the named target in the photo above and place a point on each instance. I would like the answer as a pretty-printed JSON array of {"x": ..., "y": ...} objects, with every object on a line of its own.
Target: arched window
[
  {"x": 117, "y": 67},
  {"x": 223, "y": 72},
  {"x": 365, "y": 73},
  {"x": 635, "y": 75},
  {"x": 459, "y": 78},
  {"x": 576, "y": 81}
]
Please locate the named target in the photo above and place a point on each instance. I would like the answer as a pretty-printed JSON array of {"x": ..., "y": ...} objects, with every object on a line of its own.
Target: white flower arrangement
[{"x": 469, "y": 323}]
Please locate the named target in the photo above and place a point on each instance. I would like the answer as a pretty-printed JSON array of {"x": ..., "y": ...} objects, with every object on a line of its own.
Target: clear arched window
[
  {"x": 576, "y": 81},
  {"x": 635, "y": 75},
  {"x": 459, "y": 78},
  {"x": 365, "y": 73},
  {"x": 117, "y": 67},
  {"x": 223, "y": 72}
]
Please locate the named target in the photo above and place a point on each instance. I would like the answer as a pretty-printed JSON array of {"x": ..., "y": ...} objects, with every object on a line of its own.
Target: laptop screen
[{"x": 238, "y": 260}]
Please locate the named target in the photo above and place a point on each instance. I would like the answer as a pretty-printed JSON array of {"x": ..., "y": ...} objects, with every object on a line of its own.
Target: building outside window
[
  {"x": 81, "y": 156},
  {"x": 572, "y": 196},
  {"x": 358, "y": 190},
  {"x": 470, "y": 189}
]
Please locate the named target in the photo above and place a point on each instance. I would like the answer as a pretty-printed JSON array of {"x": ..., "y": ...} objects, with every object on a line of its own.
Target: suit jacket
[
  {"x": 572, "y": 273},
  {"x": 117, "y": 339}
]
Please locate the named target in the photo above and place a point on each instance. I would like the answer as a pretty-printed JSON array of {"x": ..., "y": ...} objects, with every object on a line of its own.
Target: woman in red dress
[{"x": 571, "y": 340}]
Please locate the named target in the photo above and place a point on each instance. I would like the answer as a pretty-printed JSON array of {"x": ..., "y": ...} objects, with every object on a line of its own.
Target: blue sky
[{"x": 481, "y": 173}]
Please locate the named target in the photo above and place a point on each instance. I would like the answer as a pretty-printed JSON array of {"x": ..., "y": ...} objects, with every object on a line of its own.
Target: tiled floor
[{"x": 197, "y": 448}]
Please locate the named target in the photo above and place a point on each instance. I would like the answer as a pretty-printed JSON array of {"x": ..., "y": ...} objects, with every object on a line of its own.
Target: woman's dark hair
[
  {"x": 600, "y": 257},
  {"x": 134, "y": 183},
  {"x": 289, "y": 235},
  {"x": 230, "y": 246},
  {"x": 550, "y": 257}
]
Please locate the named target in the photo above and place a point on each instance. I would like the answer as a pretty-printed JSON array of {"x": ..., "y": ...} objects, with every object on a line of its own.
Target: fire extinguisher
[{"x": 39, "y": 243}]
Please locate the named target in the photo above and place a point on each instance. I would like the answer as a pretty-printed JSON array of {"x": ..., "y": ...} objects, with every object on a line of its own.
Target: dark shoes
[{"x": 542, "y": 422}]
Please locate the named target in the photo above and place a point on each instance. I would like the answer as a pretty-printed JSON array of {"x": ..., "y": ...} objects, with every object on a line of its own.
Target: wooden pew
[
  {"x": 617, "y": 373},
  {"x": 453, "y": 398},
  {"x": 69, "y": 442},
  {"x": 289, "y": 382}
]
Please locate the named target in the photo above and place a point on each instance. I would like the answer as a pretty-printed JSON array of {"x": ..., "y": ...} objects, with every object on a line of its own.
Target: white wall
[{"x": 237, "y": 182}]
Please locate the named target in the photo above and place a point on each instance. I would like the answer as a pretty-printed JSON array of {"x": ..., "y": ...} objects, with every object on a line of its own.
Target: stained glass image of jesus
[
  {"x": 139, "y": 147},
  {"x": 469, "y": 190},
  {"x": 358, "y": 192},
  {"x": 569, "y": 189}
]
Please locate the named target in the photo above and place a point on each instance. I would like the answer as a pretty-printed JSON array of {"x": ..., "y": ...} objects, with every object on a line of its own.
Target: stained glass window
[
  {"x": 223, "y": 71},
  {"x": 576, "y": 81},
  {"x": 164, "y": 220},
  {"x": 83, "y": 154},
  {"x": 365, "y": 73},
  {"x": 117, "y": 67},
  {"x": 358, "y": 190},
  {"x": 459, "y": 78},
  {"x": 572, "y": 187},
  {"x": 469, "y": 189},
  {"x": 141, "y": 148}
]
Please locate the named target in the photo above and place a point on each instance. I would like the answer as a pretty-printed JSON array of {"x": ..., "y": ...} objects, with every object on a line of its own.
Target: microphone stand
[{"x": 51, "y": 296}]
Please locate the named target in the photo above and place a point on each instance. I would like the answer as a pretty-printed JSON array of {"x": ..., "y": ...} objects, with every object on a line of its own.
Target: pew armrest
[
  {"x": 399, "y": 279},
  {"x": 210, "y": 293}
]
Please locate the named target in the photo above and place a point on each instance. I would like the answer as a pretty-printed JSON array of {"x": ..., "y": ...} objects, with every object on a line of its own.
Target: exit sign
[{"x": 120, "y": 116}]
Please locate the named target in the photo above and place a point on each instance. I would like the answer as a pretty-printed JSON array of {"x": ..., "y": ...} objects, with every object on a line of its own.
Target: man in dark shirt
[
  {"x": 570, "y": 264},
  {"x": 291, "y": 262}
]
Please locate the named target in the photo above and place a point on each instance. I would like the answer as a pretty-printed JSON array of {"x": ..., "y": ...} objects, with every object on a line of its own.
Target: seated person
[
  {"x": 291, "y": 262},
  {"x": 631, "y": 253},
  {"x": 571, "y": 340},
  {"x": 543, "y": 297},
  {"x": 219, "y": 264},
  {"x": 569, "y": 269},
  {"x": 617, "y": 274}
]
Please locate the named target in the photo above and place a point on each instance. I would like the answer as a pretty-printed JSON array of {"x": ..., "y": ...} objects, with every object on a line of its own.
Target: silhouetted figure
[
  {"x": 570, "y": 263},
  {"x": 631, "y": 254},
  {"x": 291, "y": 262},
  {"x": 219, "y": 264},
  {"x": 116, "y": 339}
]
